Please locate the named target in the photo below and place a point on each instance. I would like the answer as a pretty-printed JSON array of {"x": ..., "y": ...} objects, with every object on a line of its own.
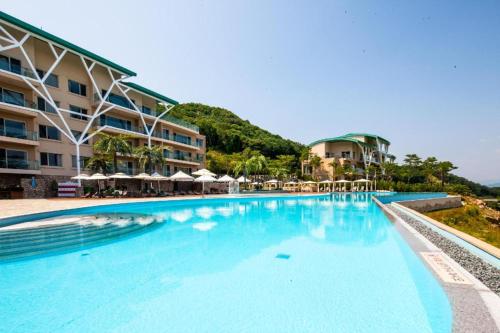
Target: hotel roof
[
  {"x": 151, "y": 93},
  {"x": 351, "y": 137},
  {"x": 61, "y": 42}
]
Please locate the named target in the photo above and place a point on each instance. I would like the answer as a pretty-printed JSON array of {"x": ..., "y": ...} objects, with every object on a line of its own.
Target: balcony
[
  {"x": 127, "y": 170},
  {"x": 17, "y": 166},
  {"x": 181, "y": 158},
  {"x": 13, "y": 100},
  {"x": 120, "y": 127},
  {"x": 175, "y": 139},
  {"x": 19, "y": 70},
  {"x": 20, "y": 136},
  {"x": 125, "y": 105}
]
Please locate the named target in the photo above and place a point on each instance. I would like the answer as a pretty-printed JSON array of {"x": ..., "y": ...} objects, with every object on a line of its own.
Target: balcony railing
[
  {"x": 151, "y": 112},
  {"x": 171, "y": 137},
  {"x": 126, "y": 127},
  {"x": 18, "y": 133},
  {"x": 5, "y": 98},
  {"x": 19, "y": 164},
  {"x": 17, "y": 70},
  {"x": 128, "y": 171}
]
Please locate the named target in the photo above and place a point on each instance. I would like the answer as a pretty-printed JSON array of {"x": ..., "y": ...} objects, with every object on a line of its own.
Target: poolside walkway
[{"x": 16, "y": 207}]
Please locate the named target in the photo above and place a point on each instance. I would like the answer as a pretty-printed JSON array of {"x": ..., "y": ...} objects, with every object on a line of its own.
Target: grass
[{"x": 472, "y": 220}]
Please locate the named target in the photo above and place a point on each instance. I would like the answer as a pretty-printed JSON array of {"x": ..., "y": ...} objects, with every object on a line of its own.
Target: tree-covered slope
[{"x": 228, "y": 133}]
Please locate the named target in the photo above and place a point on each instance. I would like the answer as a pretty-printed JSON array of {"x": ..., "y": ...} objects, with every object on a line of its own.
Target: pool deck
[
  {"x": 475, "y": 306},
  {"x": 17, "y": 207}
]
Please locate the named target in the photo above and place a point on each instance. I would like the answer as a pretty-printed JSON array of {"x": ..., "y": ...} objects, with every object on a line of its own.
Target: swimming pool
[
  {"x": 389, "y": 197},
  {"x": 283, "y": 264}
]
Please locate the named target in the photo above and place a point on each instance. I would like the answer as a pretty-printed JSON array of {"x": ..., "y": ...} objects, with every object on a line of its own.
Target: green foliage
[
  {"x": 100, "y": 163},
  {"x": 227, "y": 133},
  {"x": 149, "y": 157},
  {"x": 112, "y": 145}
]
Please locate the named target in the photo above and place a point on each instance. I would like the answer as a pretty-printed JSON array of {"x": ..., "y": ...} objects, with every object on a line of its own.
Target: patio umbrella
[
  {"x": 243, "y": 179},
  {"x": 180, "y": 176},
  {"x": 142, "y": 176},
  {"x": 98, "y": 177},
  {"x": 225, "y": 179},
  {"x": 119, "y": 175},
  {"x": 205, "y": 179},
  {"x": 156, "y": 176},
  {"x": 272, "y": 181},
  {"x": 82, "y": 176},
  {"x": 203, "y": 172}
]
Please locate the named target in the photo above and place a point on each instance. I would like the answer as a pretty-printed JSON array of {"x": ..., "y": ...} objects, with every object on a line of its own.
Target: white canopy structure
[
  {"x": 157, "y": 177},
  {"x": 142, "y": 176},
  {"x": 203, "y": 172},
  {"x": 225, "y": 179},
  {"x": 81, "y": 176},
  {"x": 362, "y": 180},
  {"x": 243, "y": 179},
  {"x": 98, "y": 177},
  {"x": 180, "y": 176},
  {"x": 342, "y": 181},
  {"x": 205, "y": 179},
  {"x": 272, "y": 181},
  {"x": 119, "y": 175},
  {"x": 326, "y": 182}
]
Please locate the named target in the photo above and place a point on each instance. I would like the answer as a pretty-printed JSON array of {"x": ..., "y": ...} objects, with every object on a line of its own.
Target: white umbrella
[
  {"x": 81, "y": 176},
  {"x": 181, "y": 177},
  {"x": 142, "y": 176},
  {"x": 203, "y": 172},
  {"x": 362, "y": 180},
  {"x": 291, "y": 183},
  {"x": 98, "y": 177},
  {"x": 225, "y": 179},
  {"x": 243, "y": 179},
  {"x": 204, "y": 179},
  {"x": 272, "y": 181},
  {"x": 119, "y": 175},
  {"x": 156, "y": 176},
  {"x": 309, "y": 182},
  {"x": 326, "y": 182},
  {"x": 342, "y": 181}
]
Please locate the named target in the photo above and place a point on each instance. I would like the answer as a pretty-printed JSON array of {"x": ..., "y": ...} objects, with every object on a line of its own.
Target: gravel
[{"x": 483, "y": 271}]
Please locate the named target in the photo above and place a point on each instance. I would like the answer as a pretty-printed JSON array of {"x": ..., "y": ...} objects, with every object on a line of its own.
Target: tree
[
  {"x": 412, "y": 166},
  {"x": 337, "y": 169},
  {"x": 315, "y": 162},
  {"x": 99, "y": 163},
  {"x": 113, "y": 145},
  {"x": 444, "y": 169},
  {"x": 257, "y": 163},
  {"x": 150, "y": 156},
  {"x": 430, "y": 168},
  {"x": 347, "y": 170}
]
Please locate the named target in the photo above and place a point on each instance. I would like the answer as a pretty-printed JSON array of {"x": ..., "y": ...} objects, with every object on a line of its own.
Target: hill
[{"x": 228, "y": 133}]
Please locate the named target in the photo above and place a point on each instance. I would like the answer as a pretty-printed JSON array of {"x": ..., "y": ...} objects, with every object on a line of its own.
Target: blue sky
[{"x": 424, "y": 74}]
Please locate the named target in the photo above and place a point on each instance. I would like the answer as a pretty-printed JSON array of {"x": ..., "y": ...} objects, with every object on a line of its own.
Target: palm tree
[
  {"x": 99, "y": 163},
  {"x": 257, "y": 163},
  {"x": 113, "y": 145},
  {"x": 336, "y": 169},
  {"x": 150, "y": 156},
  {"x": 315, "y": 162}
]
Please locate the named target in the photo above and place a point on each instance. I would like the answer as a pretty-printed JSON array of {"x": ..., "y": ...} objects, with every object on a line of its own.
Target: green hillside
[{"x": 228, "y": 133}]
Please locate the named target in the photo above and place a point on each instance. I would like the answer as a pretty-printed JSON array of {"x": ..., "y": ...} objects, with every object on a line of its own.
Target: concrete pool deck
[{"x": 475, "y": 306}]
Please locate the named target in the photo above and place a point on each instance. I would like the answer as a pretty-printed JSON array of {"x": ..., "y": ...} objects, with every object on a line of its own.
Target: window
[
  {"x": 49, "y": 132},
  {"x": 79, "y": 110},
  {"x": 42, "y": 105},
  {"x": 182, "y": 139},
  {"x": 146, "y": 110},
  {"x": 83, "y": 161},
  {"x": 199, "y": 143},
  {"x": 52, "y": 80},
  {"x": 77, "y": 88},
  {"x": 13, "y": 159},
  {"x": 51, "y": 159},
  {"x": 346, "y": 154},
  {"x": 165, "y": 134},
  {"x": 12, "y": 128},
  {"x": 78, "y": 134},
  {"x": 118, "y": 100},
  {"x": 11, "y": 97},
  {"x": 10, "y": 64},
  {"x": 115, "y": 122}
]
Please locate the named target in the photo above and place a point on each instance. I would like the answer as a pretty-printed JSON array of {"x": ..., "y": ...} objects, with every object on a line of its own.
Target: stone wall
[
  {"x": 428, "y": 205},
  {"x": 45, "y": 186}
]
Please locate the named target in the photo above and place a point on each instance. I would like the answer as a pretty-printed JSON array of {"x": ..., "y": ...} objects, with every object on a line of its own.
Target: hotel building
[
  {"x": 55, "y": 100},
  {"x": 360, "y": 150}
]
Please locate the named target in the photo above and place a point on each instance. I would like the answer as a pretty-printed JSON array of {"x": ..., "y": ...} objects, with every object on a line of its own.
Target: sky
[{"x": 423, "y": 74}]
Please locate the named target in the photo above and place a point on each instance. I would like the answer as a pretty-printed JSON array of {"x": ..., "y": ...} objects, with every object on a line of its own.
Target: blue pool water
[
  {"x": 287, "y": 264},
  {"x": 387, "y": 198}
]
